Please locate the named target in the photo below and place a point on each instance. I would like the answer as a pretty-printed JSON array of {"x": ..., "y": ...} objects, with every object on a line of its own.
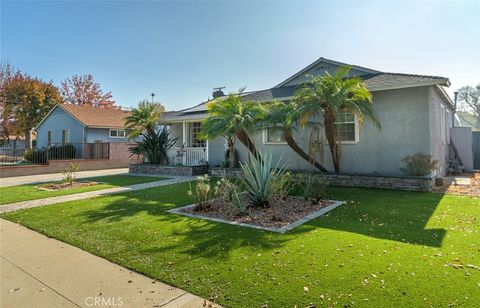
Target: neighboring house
[
  {"x": 414, "y": 110},
  {"x": 81, "y": 126}
]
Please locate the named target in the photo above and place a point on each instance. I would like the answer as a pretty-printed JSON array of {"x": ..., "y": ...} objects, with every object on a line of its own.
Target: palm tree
[
  {"x": 154, "y": 143},
  {"x": 328, "y": 95},
  {"x": 231, "y": 117},
  {"x": 143, "y": 119},
  {"x": 285, "y": 117}
]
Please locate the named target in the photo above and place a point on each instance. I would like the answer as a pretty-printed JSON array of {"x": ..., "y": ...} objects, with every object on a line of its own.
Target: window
[
  {"x": 273, "y": 135},
  {"x": 50, "y": 134},
  {"x": 65, "y": 136},
  {"x": 117, "y": 133},
  {"x": 194, "y": 129},
  {"x": 346, "y": 125}
]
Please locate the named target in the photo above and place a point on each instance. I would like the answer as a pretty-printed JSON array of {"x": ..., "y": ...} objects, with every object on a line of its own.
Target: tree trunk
[
  {"x": 331, "y": 134},
  {"x": 28, "y": 140},
  {"x": 231, "y": 153},
  {"x": 294, "y": 146},
  {"x": 245, "y": 139}
]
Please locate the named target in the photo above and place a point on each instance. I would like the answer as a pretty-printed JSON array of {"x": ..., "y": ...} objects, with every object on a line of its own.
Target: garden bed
[
  {"x": 285, "y": 215},
  {"x": 64, "y": 186}
]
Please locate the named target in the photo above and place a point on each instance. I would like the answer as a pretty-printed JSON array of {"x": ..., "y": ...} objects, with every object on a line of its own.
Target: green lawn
[
  {"x": 30, "y": 192},
  {"x": 381, "y": 249}
]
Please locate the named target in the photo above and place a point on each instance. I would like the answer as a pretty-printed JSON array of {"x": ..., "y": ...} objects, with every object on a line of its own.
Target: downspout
[{"x": 454, "y": 109}]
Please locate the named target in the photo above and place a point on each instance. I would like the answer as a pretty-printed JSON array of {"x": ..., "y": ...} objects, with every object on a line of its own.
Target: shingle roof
[
  {"x": 374, "y": 81},
  {"x": 96, "y": 117}
]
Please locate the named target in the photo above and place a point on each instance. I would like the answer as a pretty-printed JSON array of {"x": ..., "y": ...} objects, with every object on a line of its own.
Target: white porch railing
[{"x": 188, "y": 156}]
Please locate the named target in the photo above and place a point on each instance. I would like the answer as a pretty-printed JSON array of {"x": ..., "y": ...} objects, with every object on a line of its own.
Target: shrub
[
  {"x": 203, "y": 193},
  {"x": 259, "y": 178},
  {"x": 238, "y": 203},
  {"x": 419, "y": 164},
  {"x": 36, "y": 156},
  {"x": 312, "y": 187},
  {"x": 154, "y": 146},
  {"x": 70, "y": 174},
  {"x": 62, "y": 151}
]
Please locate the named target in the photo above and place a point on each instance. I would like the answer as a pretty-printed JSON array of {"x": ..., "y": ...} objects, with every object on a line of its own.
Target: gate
[{"x": 476, "y": 150}]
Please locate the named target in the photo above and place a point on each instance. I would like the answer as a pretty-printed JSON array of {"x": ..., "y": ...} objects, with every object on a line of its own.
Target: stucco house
[
  {"x": 414, "y": 110},
  {"x": 78, "y": 125}
]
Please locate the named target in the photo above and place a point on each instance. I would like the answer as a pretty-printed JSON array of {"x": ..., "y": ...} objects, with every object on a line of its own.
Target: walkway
[
  {"x": 37, "y": 271},
  {"x": 41, "y": 178},
  {"x": 91, "y": 194}
]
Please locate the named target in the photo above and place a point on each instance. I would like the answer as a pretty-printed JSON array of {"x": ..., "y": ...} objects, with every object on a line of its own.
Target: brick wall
[
  {"x": 120, "y": 151},
  {"x": 56, "y": 166}
]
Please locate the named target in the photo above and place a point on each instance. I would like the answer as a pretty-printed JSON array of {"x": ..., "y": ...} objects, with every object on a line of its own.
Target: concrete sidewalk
[
  {"x": 41, "y": 178},
  {"x": 91, "y": 194},
  {"x": 37, "y": 271}
]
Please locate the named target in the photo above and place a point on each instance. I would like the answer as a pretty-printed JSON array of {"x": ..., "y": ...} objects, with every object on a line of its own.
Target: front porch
[{"x": 189, "y": 150}]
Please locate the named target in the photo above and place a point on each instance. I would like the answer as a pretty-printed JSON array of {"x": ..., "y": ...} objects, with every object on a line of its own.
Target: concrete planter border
[{"x": 301, "y": 221}]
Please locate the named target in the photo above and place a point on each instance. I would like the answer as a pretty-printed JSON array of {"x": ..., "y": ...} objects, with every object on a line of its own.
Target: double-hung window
[
  {"x": 50, "y": 136},
  {"x": 65, "y": 136},
  {"x": 346, "y": 125}
]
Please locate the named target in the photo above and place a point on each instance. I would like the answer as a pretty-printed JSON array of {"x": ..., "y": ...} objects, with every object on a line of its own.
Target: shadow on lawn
[
  {"x": 392, "y": 215},
  {"x": 384, "y": 214},
  {"x": 192, "y": 236}
]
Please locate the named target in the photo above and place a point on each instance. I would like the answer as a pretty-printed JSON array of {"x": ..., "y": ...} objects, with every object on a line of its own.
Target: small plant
[
  {"x": 239, "y": 204},
  {"x": 259, "y": 178},
  {"x": 312, "y": 187},
  {"x": 224, "y": 190},
  {"x": 419, "y": 164},
  {"x": 203, "y": 192},
  {"x": 281, "y": 187},
  {"x": 70, "y": 174}
]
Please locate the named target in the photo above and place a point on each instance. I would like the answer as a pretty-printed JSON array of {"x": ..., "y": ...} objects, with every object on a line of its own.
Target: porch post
[
  {"x": 185, "y": 143},
  {"x": 206, "y": 150}
]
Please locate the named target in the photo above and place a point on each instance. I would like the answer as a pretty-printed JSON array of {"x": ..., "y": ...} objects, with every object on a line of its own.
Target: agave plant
[{"x": 259, "y": 176}]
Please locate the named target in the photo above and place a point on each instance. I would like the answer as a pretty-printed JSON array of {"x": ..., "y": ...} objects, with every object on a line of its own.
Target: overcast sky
[{"x": 181, "y": 50}]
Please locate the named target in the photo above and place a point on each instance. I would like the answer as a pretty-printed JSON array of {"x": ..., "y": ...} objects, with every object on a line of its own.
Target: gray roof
[{"x": 374, "y": 82}]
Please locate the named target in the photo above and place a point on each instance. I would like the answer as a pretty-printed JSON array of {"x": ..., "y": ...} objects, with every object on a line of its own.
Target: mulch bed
[
  {"x": 288, "y": 211},
  {"x": 63, "y": 186},
  {"x": 469, "y": 190}
]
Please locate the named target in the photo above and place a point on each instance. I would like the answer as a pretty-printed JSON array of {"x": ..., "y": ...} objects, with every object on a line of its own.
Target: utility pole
[
  {"x": 454, "y": 108},
  {"x": 153, "y": 94}
]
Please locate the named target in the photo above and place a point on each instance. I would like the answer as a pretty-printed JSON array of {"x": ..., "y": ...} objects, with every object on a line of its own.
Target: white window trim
[
  {"x": 357, "y": 131},
  {"x": 265, "y": 139},
  {"x": 117, "y": 130}
]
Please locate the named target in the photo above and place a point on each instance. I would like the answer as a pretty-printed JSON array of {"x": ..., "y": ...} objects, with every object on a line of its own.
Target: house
[
  {"x": 90, "y": 130},
  {"x": 414, "y": 110},
  {"x": 67, "y": 123}
]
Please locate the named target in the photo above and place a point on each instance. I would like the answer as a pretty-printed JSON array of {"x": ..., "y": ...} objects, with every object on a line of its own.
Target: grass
[
  {"x": 19, "y": 193},
  {"x": 381, "y": 249}
]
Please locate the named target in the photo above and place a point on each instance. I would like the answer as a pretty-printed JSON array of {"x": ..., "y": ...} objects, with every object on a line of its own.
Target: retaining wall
[
  {"x": 166, "y": 170},
  {"x": 410, "y": 183}
]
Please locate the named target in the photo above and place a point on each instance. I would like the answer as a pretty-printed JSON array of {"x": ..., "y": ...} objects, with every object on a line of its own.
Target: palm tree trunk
[
  {"x": 294, "y": 146},
  {"x": 248, "y": 143},
  {"x": 231, "y": 153},
  {"x": 330, "y": 132}
]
